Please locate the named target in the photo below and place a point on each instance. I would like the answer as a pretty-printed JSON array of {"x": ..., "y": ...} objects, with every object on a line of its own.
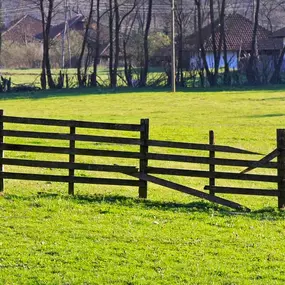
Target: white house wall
[
  {"x": 231, "y": 58},
  {"x": 195, "y": 62}
]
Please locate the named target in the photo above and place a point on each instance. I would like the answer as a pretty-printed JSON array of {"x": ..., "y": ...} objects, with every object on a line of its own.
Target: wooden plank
[
  {"x": 77, "y": 137},
  {"x": 58, "y": 178},
  {"x": 212, "y": 155},
  {"x": 144, "y": 136},
  {"x": 1, "y": 150},
  {"x": 244, "y": 191},
  {"x": 206, "y": 147},
  {"x": 281, "y": 167},
  {"x": 262, "y": 161},
  {"x": 207, "y": 174},
  {"x": 71, "y": 161},
  {"x": 70, "y": 123},
  {"x": 65, "y": 150},
  {"x": 207, "y": 160},
  {"x": 191, "y": 191},
  {"x": 67, "y": 165}
]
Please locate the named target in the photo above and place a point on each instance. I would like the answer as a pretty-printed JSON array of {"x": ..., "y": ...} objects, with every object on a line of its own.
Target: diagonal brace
[
  {"x": 264, "y": 160},
  {"x": 188, "y": 190}
]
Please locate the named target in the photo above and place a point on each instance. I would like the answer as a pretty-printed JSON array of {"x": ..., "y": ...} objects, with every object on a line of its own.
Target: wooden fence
[
  {"x": 72, "y": 151},
  {"x": 138, "y": 170}
]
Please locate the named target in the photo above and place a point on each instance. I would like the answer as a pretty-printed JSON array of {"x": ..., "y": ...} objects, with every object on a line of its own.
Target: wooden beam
[
  {"x": 77, "y": 137},
  {"x": 76, "y": 179},
  {"x": 207, "y": 174},
  {"x": 206, "y": 147},
  {"x": 244, "y": 191},
  {"x": 191, "y": 191},
  {"x": 281, "y": 167},
  {"x": 70, "y": 123}
]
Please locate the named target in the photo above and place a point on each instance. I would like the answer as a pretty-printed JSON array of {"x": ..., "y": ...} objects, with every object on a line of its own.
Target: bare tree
[
  {"x": 145, "y": 61},
  {"x": 251, "y": 71},
  {"x": 47, "y": 10},
  {"x": 83, "y": 77},
  {"x": 216, "y": 40},
  {"x": 182, "y": 21},
  {"x": 97, "y": 44},
  {"x": 1, "y": 26},
  {"x": 127, "y": 33},
  {"x": 227, "y": 76}
]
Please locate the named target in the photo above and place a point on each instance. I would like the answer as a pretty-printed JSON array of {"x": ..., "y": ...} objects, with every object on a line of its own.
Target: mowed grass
[{"x": 105, "y": 235}]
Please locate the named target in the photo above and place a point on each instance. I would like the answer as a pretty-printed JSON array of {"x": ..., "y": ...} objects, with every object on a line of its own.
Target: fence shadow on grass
[{"x": 268, "y": 213}]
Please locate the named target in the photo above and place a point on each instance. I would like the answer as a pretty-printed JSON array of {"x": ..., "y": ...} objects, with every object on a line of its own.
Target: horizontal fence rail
[
  {"x": 196, "y": 146},
  {"x": 68, "y": 165},
  {"x": 60, "y": 178},
  {"x": 243, "y": 191},
  {"x": 66, "y": 150},
  {"x": 136, "y": 163},
  {"x": 71, "y": 123},
  {"x": 68, "y": 137},
  {"x": 208, "y": 174},
  {"x": 206, "y": 160}
]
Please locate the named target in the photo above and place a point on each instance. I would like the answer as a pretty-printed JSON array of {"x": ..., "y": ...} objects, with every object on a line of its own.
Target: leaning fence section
[{"x": 212, "y": 161}]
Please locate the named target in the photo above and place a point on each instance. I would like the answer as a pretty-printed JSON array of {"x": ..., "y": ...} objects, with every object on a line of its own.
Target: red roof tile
[
  {"x": 75, "y": 23},
  {"x": 239, "y": 32},
  {"x": 23, "y": 30}
]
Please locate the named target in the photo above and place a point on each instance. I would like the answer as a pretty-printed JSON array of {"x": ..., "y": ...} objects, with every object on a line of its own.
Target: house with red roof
[
  {"x": 76, "y": 24},
  {"x": 238, "y": 35},
  {"x": 23, "y": 30}
]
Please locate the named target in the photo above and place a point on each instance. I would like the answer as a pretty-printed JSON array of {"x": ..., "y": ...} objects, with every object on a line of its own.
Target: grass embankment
[{"x": 104, "y": 235}]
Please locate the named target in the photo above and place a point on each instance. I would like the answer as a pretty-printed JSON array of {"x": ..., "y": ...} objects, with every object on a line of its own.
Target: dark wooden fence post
[
  {"x": 71, "y": 160},
  {"x": 144, "y": 136},
  {"x": 212, "y": 181},
  {"x": 281, "y": 167},
  {"x": 1, "y": 151}
]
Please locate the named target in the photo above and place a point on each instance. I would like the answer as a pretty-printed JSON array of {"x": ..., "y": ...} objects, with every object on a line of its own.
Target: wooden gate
[{"x": 140, "y": 164}]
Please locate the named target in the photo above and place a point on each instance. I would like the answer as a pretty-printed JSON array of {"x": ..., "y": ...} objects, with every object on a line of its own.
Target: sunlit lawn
[{"x": 104, "y": 235}]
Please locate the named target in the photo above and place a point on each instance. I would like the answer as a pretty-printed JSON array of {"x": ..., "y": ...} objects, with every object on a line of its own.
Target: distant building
[
  {"x": 23, "y": 30},
  {"x": 76, "y": 23},
  {"x": 238, "y": 34}
]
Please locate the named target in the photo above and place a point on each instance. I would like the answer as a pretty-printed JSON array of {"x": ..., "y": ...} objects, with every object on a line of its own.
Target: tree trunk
[
  {"x": 46, "y": 75},
  {"x": 2, "y": 26},
  {"x": 144, "y": 72},
  {"x": 117, "y": 43},
  {"x": 180, "y": 54},
  {"x": 97, "y": 46},
  {"x": 214, "y": 44},
  {"x": 127, "y": 66},
  {"x": 252, "y": 71},
  {"x": 111, "y": 46},
  {"x": 227, "y": 76},
  {"x": 81, "y": 78},
  {"x": 200, "y": 46},
  {"x": 50, "y": 80}
]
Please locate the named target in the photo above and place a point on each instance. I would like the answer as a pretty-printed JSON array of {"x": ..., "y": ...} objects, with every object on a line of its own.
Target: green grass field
[{"x": 105, "y": 235}]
